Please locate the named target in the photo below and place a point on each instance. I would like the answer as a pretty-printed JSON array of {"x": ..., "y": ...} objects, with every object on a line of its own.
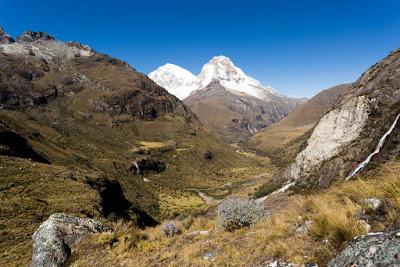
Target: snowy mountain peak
[
  {"x": 220, "y": 68},
  {"x": 175, "y": 79},
  {"x": 181, "y": 82}
]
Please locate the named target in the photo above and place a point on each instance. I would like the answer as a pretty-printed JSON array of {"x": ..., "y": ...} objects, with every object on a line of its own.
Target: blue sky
[{"x": 298, "y": 47}]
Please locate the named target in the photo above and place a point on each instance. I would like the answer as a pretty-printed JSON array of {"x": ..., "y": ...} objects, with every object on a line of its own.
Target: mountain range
[
  {"x": 228, "y": 102},
  {"x": 101, "y": 165}
]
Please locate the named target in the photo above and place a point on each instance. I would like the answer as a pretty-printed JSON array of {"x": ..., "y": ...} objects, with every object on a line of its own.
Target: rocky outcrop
[
  {"x": 375, "y": 249},
  {"x": 147, "y": 165},
  {"x": 43, "y": 46},
  {"x": 5, "y": 38},
  {"x": 350, "y": 132},
  {"x": 31, "y": 36},
  {"x": 53, "y": 240},
  {"x": 331, "y": 136}
]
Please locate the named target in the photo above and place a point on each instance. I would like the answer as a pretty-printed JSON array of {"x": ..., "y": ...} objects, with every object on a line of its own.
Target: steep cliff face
[
  {"x": 282, "y": 140},
  {"x": 347, "y": 134}
]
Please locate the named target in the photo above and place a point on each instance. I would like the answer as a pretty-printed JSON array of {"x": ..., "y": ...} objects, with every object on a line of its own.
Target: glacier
[{"x": 181, "y": 82}]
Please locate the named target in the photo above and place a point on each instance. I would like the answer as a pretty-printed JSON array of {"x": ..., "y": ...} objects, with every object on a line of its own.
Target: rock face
[
  {"x": 347, "y": 134},
  {"x": 331, "y": 136},
  {"x": 31, "y": 36},
  {"x": 234, "y": 115},
  {"x": 147, "y": 165},
  {"x": 54, "y": 238},
  {"x": 5, "y": 38},
  {"x": 378, "y": 249},
  {"x": 285, "y": 134}
]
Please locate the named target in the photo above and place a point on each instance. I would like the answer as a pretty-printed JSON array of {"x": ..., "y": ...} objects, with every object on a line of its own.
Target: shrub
[
  {"x": 238, "y": 213},
  {"x": 170, "y": 229}
]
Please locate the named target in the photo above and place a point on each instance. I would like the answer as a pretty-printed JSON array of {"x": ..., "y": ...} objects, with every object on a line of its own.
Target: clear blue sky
[{"x": 299, "y": 47}]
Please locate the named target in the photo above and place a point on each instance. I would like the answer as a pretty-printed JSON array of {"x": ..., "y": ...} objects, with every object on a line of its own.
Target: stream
[
  {"x": 210, "y": 197},
  {"x": 213, "y": 195}
]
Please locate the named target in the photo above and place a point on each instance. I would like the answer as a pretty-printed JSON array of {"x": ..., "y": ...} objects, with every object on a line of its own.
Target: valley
[{"x": 102, "y": 165}]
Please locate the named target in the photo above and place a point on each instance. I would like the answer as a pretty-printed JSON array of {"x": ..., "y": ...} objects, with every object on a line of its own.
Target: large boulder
[
  {"x": 377, "y": 249},
  {"x": 54, "y": 238}
]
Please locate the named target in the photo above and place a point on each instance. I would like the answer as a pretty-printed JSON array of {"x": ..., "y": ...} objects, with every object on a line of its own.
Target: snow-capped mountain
[
  {"x": 175, "y": 79},
  {"x": 233, "y": 78},
  {"x": 225, "y": 99},
  {"x": 182, "y": 83}
]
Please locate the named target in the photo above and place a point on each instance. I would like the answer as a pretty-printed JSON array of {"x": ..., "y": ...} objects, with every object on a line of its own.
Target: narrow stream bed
[{"x": 214, "y": 195}]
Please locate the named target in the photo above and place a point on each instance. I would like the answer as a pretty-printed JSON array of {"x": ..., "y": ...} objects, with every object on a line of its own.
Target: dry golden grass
[
  {"x": 278, "y": 135},
  {"x": 334, "y": 213}
]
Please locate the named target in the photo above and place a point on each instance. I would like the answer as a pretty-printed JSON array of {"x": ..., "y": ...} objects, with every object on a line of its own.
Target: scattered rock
[
  {"x": 197, "y": 233},
  {"x": 170, "y": 229},
  {"x": 375, "y": 249},
  {"x": 366, "y": 225},
  {"x": 210, "y": 255},
  {"x": 208, "y": 155},
  {"x": 276, "y": 263},
  {"x": 372, "y": 203},
  {"x": 54, "y": 238},
  {"x": 305, "y": 227}
]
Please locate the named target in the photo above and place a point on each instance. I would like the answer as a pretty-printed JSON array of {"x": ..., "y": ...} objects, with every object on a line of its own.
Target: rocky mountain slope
[
  {"x": 78, "y": 126},
  {"x": 351, "y": 131},
  {"x": 283, "y": 139},
  {"x": 226, "y": 100}
]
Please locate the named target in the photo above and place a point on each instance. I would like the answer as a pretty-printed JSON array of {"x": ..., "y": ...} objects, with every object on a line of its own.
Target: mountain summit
[
  {"x": 182, "y": 83},
  {"x": 175, "y": 79},
  {"x": 233, "y": 78}
]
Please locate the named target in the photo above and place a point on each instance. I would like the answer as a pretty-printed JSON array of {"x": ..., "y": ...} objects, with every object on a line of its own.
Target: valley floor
[{"x": 310, "y": 228}]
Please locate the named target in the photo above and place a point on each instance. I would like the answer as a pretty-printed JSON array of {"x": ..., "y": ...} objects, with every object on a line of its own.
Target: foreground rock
[
  {"x": 379, "y": 249},
  {"x": 54, "y": 238}
]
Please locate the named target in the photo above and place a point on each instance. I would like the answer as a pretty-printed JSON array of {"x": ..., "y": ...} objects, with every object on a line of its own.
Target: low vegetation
[
  {"x": 237, "y": 213},
  {"x": 306, "y": 229},
  {"x": 170, "y": 229}
]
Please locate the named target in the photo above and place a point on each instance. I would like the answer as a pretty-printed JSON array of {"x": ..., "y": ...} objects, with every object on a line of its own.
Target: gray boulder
[
  {"x": 54, "y": 238},
  {"x": 375, "y": 249}
]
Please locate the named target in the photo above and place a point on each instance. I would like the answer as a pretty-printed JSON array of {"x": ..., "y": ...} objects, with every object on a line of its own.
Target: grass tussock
[{"x": 332, "y": 217}]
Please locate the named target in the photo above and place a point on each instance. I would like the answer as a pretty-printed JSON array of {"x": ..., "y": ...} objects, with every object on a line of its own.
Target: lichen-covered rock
[
  {"x": 54, "y": 238},
  {"x": 377, "y": 249},
  {"x": 372, "y": 203}
]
